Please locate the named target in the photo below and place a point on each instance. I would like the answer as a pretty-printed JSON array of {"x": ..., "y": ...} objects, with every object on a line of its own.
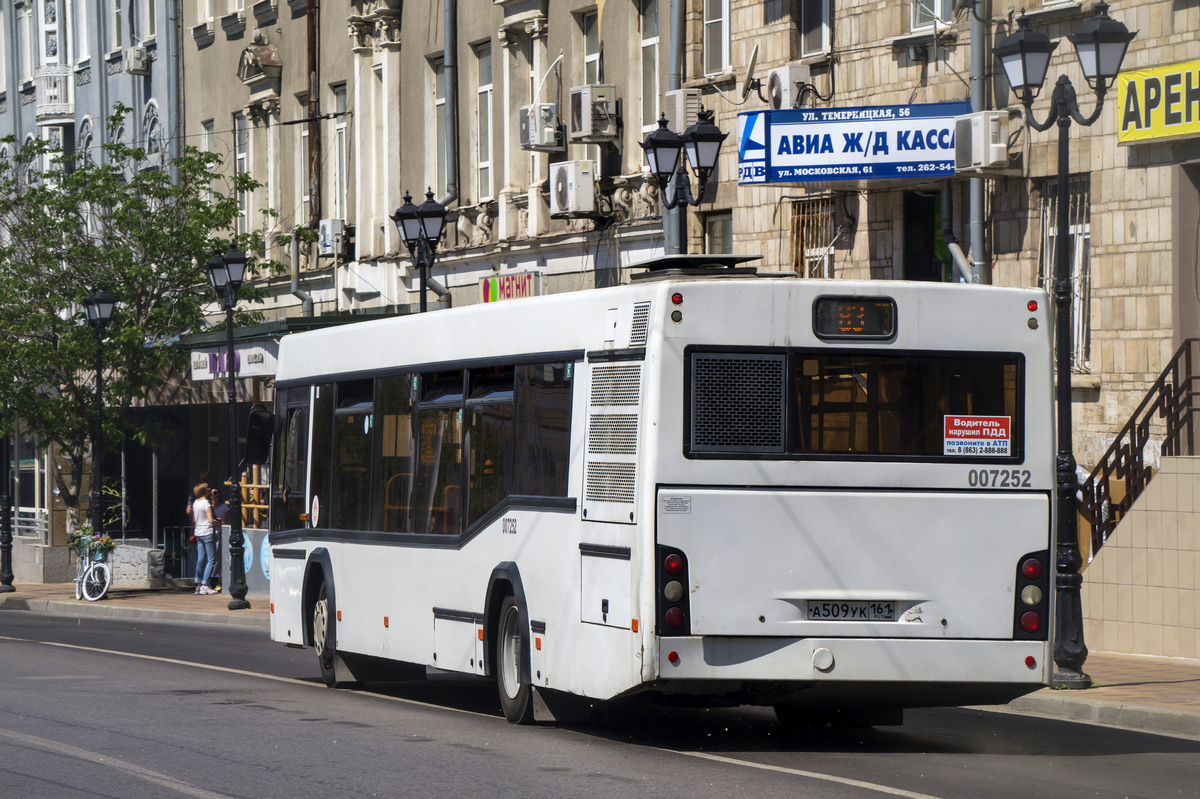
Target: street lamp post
[
  {"x": 702, "y": 143},
  {"x": 1100, "y": 43},
  {"x": 226, "y": 273},
  {"x": 99, "y": 307},
  {"x": 421, "y": 229},
  {"x": 6, "y": 572}
]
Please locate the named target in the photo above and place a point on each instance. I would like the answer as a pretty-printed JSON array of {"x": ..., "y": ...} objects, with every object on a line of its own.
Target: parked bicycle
[{"x": 93, "y": 577}]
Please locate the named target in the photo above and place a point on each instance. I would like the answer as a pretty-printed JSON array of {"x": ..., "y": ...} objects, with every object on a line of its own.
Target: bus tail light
[
  {"x": 673, "y": 611},
  {"x": 1031, "y": 610}
]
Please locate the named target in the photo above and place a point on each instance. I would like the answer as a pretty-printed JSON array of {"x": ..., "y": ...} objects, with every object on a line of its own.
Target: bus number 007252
[{"x": 999, "y": 478}]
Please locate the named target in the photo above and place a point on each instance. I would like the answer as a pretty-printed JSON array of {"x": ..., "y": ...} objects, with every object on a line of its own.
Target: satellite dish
[{"x": 750, "y": 83}]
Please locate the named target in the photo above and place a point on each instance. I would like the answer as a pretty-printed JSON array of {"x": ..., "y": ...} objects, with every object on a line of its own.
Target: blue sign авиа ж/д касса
[{"x": 872, "y": 142}]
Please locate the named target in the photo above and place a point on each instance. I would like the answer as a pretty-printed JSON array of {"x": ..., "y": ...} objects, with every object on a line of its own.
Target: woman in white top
[{"x": 206, "y": 548}]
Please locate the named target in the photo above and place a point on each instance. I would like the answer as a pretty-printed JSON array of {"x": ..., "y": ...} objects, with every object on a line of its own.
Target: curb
[
  {"x": 102, "y": 609},
  {"x": 1105, "y": 713}
]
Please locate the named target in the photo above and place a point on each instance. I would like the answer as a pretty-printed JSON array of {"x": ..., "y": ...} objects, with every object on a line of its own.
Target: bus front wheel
[
  {"x": 325, "y": 640},
  {"x": 515, "y": 696}
]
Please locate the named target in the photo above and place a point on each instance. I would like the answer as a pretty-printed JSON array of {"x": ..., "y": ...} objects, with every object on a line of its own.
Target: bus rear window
[
  {"x": 907, "y": 405},
  {"x": 851, "y": 404}
]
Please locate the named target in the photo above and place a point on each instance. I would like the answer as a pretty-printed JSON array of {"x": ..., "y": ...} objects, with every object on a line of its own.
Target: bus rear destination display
[{"x": 854, "y": 317}]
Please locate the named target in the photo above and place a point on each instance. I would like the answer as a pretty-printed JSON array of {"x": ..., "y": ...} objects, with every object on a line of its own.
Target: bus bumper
[{"x": 1025, "y": 665}]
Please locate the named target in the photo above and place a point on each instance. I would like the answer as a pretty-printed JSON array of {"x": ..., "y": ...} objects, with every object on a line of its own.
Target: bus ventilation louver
[
  {"x": 738, "y": 402},
  {"x": 641, "y": 325},
  {"x": 1031, "y": 620},
  {"x": 674, "y": 611},
  {"x": 613, "y": 434},
  {"x": 610, "y": 472}
]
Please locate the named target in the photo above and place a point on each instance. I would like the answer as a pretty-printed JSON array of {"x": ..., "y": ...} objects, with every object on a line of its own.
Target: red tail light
[
  {"x": 1032, "y": 569},
  {"x": 1031, "y": 622},
  {"x": 673, "y": 565},
  {"x": 673, "y": 618}
]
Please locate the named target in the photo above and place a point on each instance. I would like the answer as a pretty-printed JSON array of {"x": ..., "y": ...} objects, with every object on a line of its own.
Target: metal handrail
[{"x": 1170, "y": 402}]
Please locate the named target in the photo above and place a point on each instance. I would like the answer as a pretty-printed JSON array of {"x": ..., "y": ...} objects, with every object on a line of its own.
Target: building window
[
  {"x": 25, "y": 45},
  {"x": 117, "y": 14},
  {"x": 814, "y": 24},
  {"x": 205, "y": 10},
  {"x": 716, "y": 36},
  {"x": 648, "y": 19},
  {"x": 1079, "y": 213},
  {"x": 812, "y": 237},
  {"x": 149, "y": 20},
  {"x": 80, "y": 40},
  {"x": 590, "y": 22},
  {"x": 718, "y": 234},
  {"x": 483, "y": 55},
  {"x": 929, "y": 13},
  {"x": 241, "y": 167},
  {"x": 439, "y": 113},
  {"x": 341, "y": 180}
]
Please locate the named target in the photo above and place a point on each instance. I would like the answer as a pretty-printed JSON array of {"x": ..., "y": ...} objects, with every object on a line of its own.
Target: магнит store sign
[
  {"x": 1159, "y": 103},
  {"x": 818, "y": 144}
]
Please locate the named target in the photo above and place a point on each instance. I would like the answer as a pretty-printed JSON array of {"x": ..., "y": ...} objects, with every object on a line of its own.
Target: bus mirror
[{"x": 259, "y": 430}]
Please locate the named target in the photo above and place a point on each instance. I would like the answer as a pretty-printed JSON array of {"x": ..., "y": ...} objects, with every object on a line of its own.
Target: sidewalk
[
  {"x": 1149, "y": 694},
  {"x": 163, "y": 604}
]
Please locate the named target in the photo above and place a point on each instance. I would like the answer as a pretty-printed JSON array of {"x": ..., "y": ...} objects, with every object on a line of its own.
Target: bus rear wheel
[{"x": 516, "y": 697}]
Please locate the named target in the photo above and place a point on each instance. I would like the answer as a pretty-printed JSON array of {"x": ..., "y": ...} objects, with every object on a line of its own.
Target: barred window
[
  {"x": 813, "y": 235},
  {"x": 1078, "y": 259}
]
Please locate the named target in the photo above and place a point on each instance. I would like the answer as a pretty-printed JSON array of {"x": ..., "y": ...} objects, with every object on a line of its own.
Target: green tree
[{"x": 141, "y": 226}]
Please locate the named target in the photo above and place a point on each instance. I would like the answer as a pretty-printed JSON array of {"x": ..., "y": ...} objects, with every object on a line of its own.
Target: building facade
[{"x": 525, "y": 117}]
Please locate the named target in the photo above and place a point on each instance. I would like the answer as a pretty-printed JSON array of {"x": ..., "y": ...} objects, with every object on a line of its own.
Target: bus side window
[
  {"x": 489, "y": 439},
  {"x": 290, "y": 466},
  {"x": 350, "y": 503},
  {"x": 322, "y": 451},
  {"x": 543, "y": 429},
  {"x": 438, "y": 502},
  {"x": 393, "y": 486}
]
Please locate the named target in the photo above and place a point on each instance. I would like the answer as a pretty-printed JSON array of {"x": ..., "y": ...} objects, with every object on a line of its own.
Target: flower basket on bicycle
[{"x": 93, "y": 577}]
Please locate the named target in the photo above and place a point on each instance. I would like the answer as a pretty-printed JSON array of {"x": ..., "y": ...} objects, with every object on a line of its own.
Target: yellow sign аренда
[{"x": 1159, "y": 102}]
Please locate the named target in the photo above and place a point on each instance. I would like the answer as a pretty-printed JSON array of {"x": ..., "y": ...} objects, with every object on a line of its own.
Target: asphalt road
[{"x": 109, "y": 708}]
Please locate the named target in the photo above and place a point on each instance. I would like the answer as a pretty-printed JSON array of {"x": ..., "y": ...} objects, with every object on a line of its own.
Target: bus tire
[
  {"x": 516, "y": 697},
  {"x": 324, "y": 627}
]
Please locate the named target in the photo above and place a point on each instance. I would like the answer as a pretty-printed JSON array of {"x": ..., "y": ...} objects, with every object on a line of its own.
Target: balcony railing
[{"x": 55, "y": 91}]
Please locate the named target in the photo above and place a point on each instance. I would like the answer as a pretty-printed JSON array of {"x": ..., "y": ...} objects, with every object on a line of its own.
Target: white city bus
[{"x": 821, "y": 496}]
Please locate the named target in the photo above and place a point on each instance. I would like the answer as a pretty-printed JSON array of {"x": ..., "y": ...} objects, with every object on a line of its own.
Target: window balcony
[{"x": 55, "y": 94}]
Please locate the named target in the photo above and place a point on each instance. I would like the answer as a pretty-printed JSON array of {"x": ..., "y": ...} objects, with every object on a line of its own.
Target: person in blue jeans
[{"x": 206, "y": 546}]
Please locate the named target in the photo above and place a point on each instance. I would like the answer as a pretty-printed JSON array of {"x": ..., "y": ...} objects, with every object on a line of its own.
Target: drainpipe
[
  {"x": 314, "y": 114},
  {"x": 306, "y": 303},
  {"x": 981, "y": 271},
  {"x": 674, "y": 221},
  {"x": 962, "y": 267},
  {"x": 450, "y": 70}
]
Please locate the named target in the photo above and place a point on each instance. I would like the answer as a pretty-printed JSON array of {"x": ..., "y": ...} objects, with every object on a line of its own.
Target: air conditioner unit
[
  {"x": 682, "y": 109},
  {"x": 331, "y": 234},
  {"x": 572, "y": 188},
  {"x": 137, "y": 61},
  {"x": 783, "y": 85},
  {"x": 594, "y": 113},
  {"x": 981, "y": 141},
  {"x": 539, "y": 128}
]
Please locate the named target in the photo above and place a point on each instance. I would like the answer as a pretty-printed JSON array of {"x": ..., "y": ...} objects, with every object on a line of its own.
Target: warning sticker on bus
[{"x": 978, "y": 435}]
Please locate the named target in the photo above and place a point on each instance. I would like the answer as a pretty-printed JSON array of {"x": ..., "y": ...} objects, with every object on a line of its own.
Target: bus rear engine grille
[
  {"x": 617, "y": 385},
  {"x": 738, "y": 402}
]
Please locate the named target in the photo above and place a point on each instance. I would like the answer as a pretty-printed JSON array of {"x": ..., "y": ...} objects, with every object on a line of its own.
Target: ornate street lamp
[
  {"x": 702, "y": 143},
  {"x": 99, "y": 307},
  {"x": 421, "y": 229},
  {"x": 1100, "y": 44},
  {"x": 226, "y": 273}
]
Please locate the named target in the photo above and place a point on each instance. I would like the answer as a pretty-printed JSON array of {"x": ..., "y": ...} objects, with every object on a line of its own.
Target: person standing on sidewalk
[{"x": 206, "y": 549}]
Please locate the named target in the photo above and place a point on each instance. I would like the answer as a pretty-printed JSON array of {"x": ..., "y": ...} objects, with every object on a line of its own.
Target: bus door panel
[
  {"x": 287, "y": 580},
  {"x": 912, "y": 564},
  {"x": 604, "y": 596}
]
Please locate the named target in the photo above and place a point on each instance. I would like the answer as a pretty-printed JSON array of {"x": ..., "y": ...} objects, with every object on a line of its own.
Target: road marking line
[
  {"x": 242, "y": 672},
  {"x": 120, "y": 765},
  {"x": 814, "y": 775},
  {"x": 871, "y": 786}
]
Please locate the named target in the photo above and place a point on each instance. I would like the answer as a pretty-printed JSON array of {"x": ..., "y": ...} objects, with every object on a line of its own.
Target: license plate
[{"x": 856, "y": 610}]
